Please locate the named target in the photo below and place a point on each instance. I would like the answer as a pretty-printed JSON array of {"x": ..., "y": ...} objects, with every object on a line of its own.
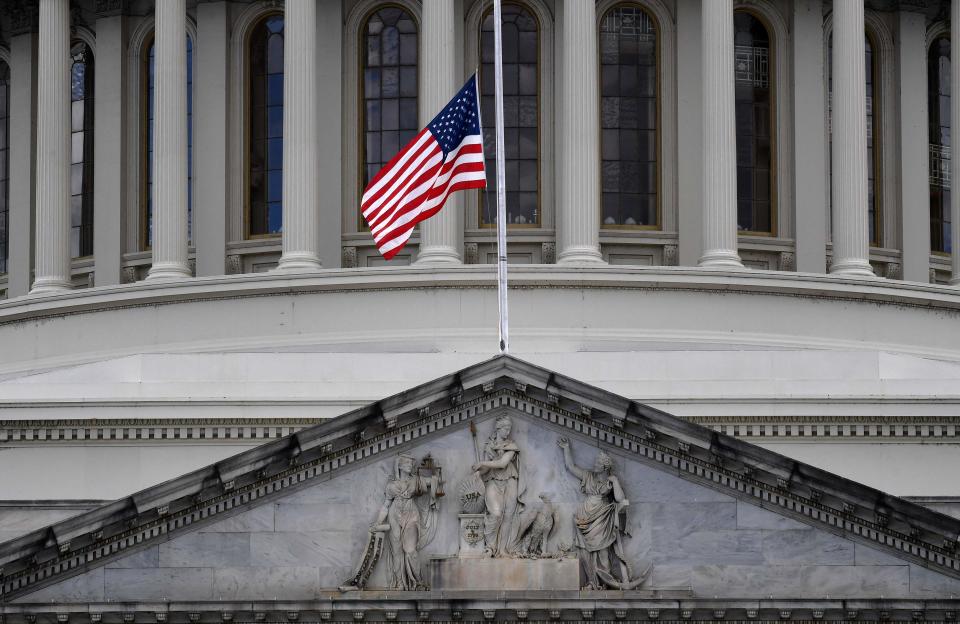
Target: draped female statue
[
  {"x": 406, "y": 524},
  {"x": 600, "y": 523},
  {"x": 503, "y": 489}
]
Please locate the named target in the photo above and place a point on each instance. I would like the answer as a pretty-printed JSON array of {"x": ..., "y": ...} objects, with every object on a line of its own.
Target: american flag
[{"x": 444, "y": 157}]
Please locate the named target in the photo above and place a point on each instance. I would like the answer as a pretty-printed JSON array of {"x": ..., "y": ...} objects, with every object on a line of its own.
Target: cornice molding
[
  {"x": 503, "y": 384},
  {"x": 833, "y": 428},
  {"x": 532, "y": 606}
]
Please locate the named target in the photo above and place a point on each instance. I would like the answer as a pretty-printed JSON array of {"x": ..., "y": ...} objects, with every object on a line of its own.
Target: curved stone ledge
[
  {"x": 484, "y": 276},
  {"x": 414, "y": 310}
]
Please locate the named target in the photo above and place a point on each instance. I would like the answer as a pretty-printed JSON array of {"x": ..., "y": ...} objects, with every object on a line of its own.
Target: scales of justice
[{"x": 504, "y": 540}]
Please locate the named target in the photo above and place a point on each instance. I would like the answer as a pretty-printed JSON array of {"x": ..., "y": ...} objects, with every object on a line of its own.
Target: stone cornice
[
  {"x": 532, "y": 606},
  {"x": 832, "y": 428},
  {"x": 503, "y": 384}
]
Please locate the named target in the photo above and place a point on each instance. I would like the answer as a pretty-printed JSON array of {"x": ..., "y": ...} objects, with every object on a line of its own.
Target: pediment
[{"x": 709, "y": 517}]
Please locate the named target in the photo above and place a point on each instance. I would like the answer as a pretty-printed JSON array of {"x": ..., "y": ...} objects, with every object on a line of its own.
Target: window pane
[
  {"x": 389, "y": 90},
  {"x": 628, "y": 118},
  {"x": 938, "y": 85},
  {"x": 521, "y": 116},
  {"x": 753, "y": 81},
  {"x": 265, "y": 172},
  {"x": 81, "y": 157}
]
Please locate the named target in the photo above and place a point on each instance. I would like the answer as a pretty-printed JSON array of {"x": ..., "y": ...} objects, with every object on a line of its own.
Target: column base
[
  {"x": 581, "y": 255},
  {"x": 50, "y": 285},
  {"x": 441, "y": 255},
  {"x": 955, "y": 281},
  {"x": 854, "y": 267},
  {"x": 167, "y": 271},
  {"x": 300, "y": 262},
  {"x": 720, "y": 259}
]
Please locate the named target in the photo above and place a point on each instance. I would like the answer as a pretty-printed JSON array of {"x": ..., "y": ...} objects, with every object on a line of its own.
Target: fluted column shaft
[
  {"x": 578, "y": 210},
  {"x": 170, "y": 143},
  {"x": 849, "y": 174},
  {"x": 719, "y": 138},
  {"x": 52, "y": 261},
  {"x": 440, "y": 235},
  {"x": 955, "y": 147},
  {"x": 301, "y": 197}
]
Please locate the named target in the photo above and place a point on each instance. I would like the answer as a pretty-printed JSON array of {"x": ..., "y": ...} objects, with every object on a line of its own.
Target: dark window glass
[
  {"x": 81, "y": 150},
  {"x": 265, "y": 174},
  {"x": 628, "y": 117},
  {"x": 873, "y": 209},
  {"x": 521, "y": 117},
  {"x": 389, "y": 88},
  {"x": 4, "y": 166},
  {"x": 938, "y": 86},
  {"x": 753, "y": 101},
  {"x": 147, "y": 172}
]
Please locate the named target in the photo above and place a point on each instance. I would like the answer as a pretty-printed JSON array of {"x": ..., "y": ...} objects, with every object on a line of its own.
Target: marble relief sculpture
[
  {"x": 534, "y": 528},
  {"x": 405, "y": 523},
  {"x": 600, "y": 524},
  {"x": 502, "y": 477}
]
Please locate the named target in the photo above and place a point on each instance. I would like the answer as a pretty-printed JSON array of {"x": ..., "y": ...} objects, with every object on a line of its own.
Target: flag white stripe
[
  {"x": 385, "y": 179},
  {"x": 439, "y": 199},
  {"x": 405, "y": 178},
  {"x": 404, "y": 198}
]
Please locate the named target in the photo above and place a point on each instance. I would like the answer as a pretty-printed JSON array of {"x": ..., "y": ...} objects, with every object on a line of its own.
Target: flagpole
[{"x": 501, "y": 180}]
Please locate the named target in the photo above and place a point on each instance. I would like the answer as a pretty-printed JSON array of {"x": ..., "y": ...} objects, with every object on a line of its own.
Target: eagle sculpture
[{"x": 535, "y": 527}]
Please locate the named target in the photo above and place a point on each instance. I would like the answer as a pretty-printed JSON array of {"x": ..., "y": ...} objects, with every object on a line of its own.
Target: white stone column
[
  {"x": 210, "y": 122},
  {"x": 110, "y": 149},
  {"x": 52, "y": 250},
  {"x": 440, "y": 235},
  {"x": 301, "y": 196},
  {"x": 170, "y": 143},
  {"x": 809, "y": 137},
  {"x": 914, "y": 145},
  {"x": 719, "y": 138},
  {"x": 849, "y": 176},
  {"x": 23, "y": 161},
  {"x": 578, "y": 206},
  {"x": 955, "y": 147}
]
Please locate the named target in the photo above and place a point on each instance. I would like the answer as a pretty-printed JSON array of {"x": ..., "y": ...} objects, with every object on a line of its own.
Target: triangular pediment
[{"x": 709, "y": 516}]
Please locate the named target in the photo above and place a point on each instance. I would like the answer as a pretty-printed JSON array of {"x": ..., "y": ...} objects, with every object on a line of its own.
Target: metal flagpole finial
[{"x": 501, "y": 179}]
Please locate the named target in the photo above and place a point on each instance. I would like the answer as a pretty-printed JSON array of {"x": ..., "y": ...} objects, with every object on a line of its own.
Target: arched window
[
  {"x": 146, "y": 158},
  {"x": 81, "y": 152},
  {"x": 4, "y": 165},
  {"x": 388, "y": 88},
  {"x": 629, "y": 117},
  {"x": 265, "y": 126},
  {"x": 873, "y": 147},
  {"x": 938, "y": 86},
  {"x": 754, "y": 82},
  {"x": 521, "y": 117}
]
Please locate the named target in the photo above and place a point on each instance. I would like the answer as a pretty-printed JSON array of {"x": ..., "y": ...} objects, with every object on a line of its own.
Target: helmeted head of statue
[{"x": 503, "y": 427}]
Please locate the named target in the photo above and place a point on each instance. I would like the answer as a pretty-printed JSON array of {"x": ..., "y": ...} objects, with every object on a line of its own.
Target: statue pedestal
[
  {"x": 504, "y": 574},
  {"x": 472, "y": 542}
]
